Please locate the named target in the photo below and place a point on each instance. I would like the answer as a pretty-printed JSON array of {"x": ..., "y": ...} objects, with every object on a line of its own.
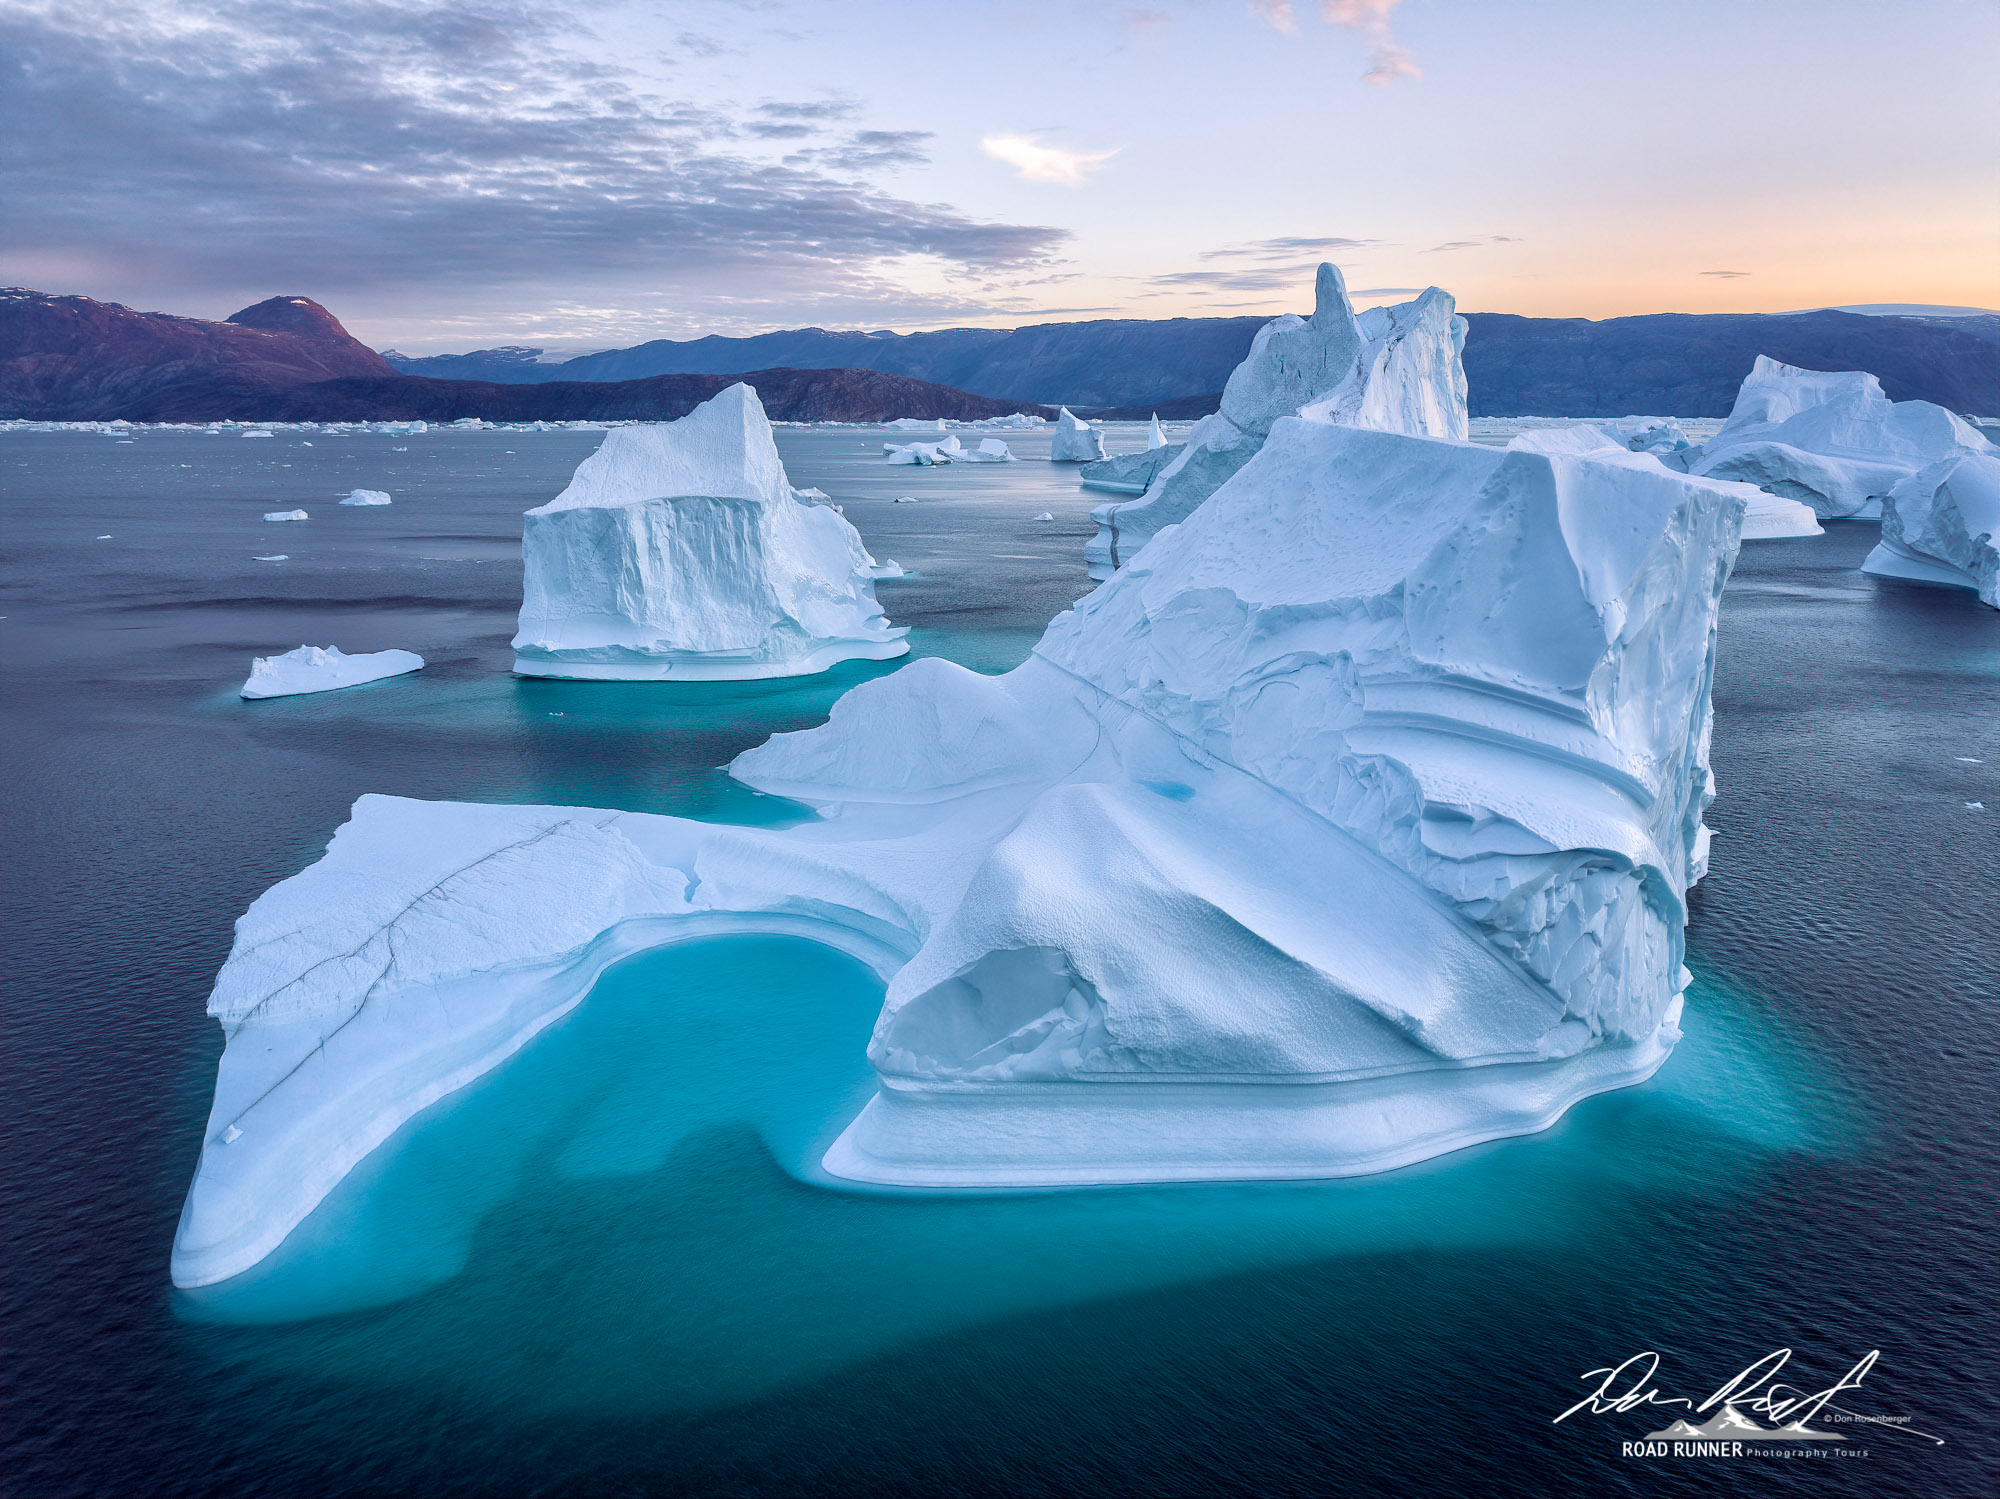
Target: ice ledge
[
  {"x": 696, "y": 666},
  {"x": 1128, "y": 1132}
]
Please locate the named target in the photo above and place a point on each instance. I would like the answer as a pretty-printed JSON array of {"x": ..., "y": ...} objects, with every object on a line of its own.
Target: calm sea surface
[{"x": 593, "y": 1272}]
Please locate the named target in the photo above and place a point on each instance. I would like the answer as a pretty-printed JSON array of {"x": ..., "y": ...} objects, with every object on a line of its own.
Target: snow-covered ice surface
[
  {"x": 367, "y": 497},
  {"x": 1767, "y": 516},
  {"x": 680, "y": 551},
  {"x": 313, "y": 668},
  {"x": 1831, "y": 440},
  {"x": 1940, "y": 524},
  {"x": 1076, "y": 441},
  {"x": 1394, "y": 369},
  {"x": 1311, "y": 844}
]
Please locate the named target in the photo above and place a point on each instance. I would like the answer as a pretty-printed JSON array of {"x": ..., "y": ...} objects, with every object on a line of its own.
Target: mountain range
[
  {"x": 1680, "y": 364},
  {"x": 68, "y": 358}
]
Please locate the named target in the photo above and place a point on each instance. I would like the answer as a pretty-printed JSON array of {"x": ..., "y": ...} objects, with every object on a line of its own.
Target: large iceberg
[
  {"x": 1076, "y": 441},
  {"x": 1940, "y": 525},
  {"x": 1830, "y": 439},
  {"x": 1393, "y": 369},
  {"x": 680, "y": 552},
  {"x": 313, "y": 668},
  {"x": 1129, "y": 473},
  {"x": 1767, "y": 516},
  {"x": 1349, "y": 824}
]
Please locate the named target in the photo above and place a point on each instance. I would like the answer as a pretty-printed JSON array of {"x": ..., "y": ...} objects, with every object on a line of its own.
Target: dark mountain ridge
[{"x": 1679, "y": 364}]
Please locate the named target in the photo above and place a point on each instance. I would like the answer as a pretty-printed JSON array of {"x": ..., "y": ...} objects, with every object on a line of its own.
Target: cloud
[
  {"x": 1266, "y": 249},
  {"x": 1035, "y": 162},
  {"x": 1474, "y": 244},
  {"x": 1387, "y": 61},
  {"x": 1276, "y": 14},
  {"x": 1726, "y": 275},
  {"x": 1247, "y": 278},
  {"x": 433, "y": 153}
]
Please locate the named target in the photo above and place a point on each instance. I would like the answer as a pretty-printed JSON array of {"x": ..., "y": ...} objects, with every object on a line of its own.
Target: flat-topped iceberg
[
  {"x": 1076, "y": 441},
  {"x": 680, "y": 551},
  {"x": 1349, "y": 824},
  {"x": 278, "y": 515},
  {"x": 367, "y": 497},
  {"x": 1394, "y": 369},
  {"x": 1829, "y": 439},
  {"x": 313, "y": 668},
  {"x": 1940, "y": 525},
  {"x": 1767, "y": 516}
]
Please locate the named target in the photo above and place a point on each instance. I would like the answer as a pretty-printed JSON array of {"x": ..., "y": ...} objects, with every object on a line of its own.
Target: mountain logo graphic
[{"x": 1730, "y": 1424}]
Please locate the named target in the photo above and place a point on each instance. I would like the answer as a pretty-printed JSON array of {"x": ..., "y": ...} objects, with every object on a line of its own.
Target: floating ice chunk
[
  {"x": 916, "y": 424},
  {"x": 905, "y": 499},
  {"x": 1941, "y": 524},
  {"x": 366, "y": 497},
  {"x": 889, "y": 568},
  {"x": 924, "y": 453},
  {"x": 1076, "y": 441},
  {"x": 1129, "y": 473},
  {"x": 1348, "y": 825},
  {"x": 284, "y": 515},
  {"x": 990, "y": 450},
  {"x": 1661, "y": 435},
  {"x": 680, "y": 551},
  {"x": 1045, "y": 515},
  {"x": 1155, "y": 438},
  {"x": 1020, "y": 421},
  {"x": 274, "y": 557},
  {"x": 1831, "y": 440},
  {"x": 312, "y": 668},
  {"x": 1394, "y": 369},
  {"x": 105, "y": 537},
  {"x": 1767, "y": 516}
]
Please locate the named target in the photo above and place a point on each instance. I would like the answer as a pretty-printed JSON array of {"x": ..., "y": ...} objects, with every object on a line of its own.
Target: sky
[{"x": 583, "y": 174}]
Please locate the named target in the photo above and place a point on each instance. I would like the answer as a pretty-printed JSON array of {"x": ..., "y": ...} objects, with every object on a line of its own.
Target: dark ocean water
[{"x": 591, "y": 1271}]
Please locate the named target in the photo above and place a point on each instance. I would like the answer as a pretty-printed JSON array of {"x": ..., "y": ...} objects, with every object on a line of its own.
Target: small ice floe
[
  {"x": 105, "y": 537},
  {"x": 367, "y": 497},
  {"x": 284, "y": 515},
  {"x": 256, "y": 434},
  {"x": 990, "y": 450},
  {"x": 399, "y": 450},
  {"x": 554, "y": 714},
  {"x": 1975, "y": 806},
  {"x": 312, "y": 668},
  {"x": 1969, "y": 760},
  {"x": 889, "y": 568},
  {"x": 124, "y": 439},
  {"x": 1045, "y": 516},
  {"x": 276, "y": 557},
  {"x": 305, "y": 444},
  {"x": 906, "y": 499}
]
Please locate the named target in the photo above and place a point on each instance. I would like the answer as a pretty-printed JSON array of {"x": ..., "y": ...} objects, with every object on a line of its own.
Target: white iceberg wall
[
  {"x": 1400, "y": 372},
  {"x": 1828, "y": 439},
  {"x": 1349, "y": 824},
  {"x": 679, "y": 551},
  {"x": 313, "y": 668},
  {"x": 1940, "y": 524}
]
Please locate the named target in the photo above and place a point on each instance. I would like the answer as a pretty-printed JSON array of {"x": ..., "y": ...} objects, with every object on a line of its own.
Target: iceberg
[
  {"x": 1394, "y": 369},
  {"x": 1829, "y": 439},
  {"x": 1076, "y": 441},
  {"x": 1940, "y": 524},
  {"x": 367, "y": 497},
  {"x": 1348, "y": 824},
  {"x": 1767, "y": 516},
  {"x": 915, "y": 424},
  {"x": 990, "y": 450},
  {"x": 1155, "y": 438},
  {"x": 679, "y": 551},
  {"x": 313, "y": 668},
  {"x": 925, "y": 453},
  {"x": 284, "y": 515},
  {"x": 1129, "y": 473}
]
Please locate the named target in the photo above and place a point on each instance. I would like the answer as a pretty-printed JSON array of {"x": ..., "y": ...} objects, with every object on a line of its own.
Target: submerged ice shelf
[
  {"x": 680, "y": 551},
  {"x": 1310, "y": 844}
]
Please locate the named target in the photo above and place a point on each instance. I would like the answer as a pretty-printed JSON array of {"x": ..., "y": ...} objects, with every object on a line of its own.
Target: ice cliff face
[
  {"x": 1940, "y": 524},
  {"x": 681, "y": 552},
  {"x": 1395, "y": 369},
  {"x": 1831, "y": 440},
  {"x": 1349, "y": 824}
]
